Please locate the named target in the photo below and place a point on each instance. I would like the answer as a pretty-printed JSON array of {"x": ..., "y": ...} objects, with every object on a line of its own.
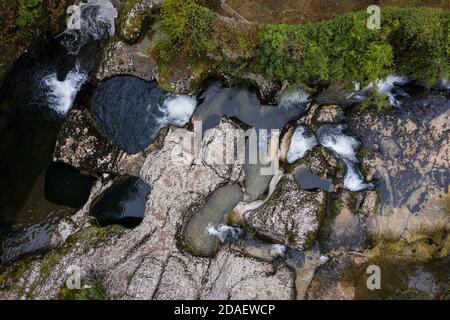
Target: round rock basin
[
  {"x": 197, "y": 239},
  {"x": 131, "y": 111}
]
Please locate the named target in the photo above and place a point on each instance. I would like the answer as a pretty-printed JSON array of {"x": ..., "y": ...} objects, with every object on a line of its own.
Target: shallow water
[
  {"x": 409, "y": 168},
  {"x": 309, "y": 181},
  {"x": 123, "y": 204},
  {"x": 198, "y": 236},
  {"x": 219, "y": 101}
]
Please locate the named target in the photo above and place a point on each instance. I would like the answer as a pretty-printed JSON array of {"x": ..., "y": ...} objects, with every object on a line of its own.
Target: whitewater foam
[
  {"x": 353, "y": 179},
  {"x": 388, "y": 86},
  {"x": 333, "y": 138},
  {"x": 93, "y": 20},
  {"x": 61, "y": 94},
  {"x": 223, "y": 231},
  {"x": 302, "y": 140},
  {"x": 280, "y": 249},
  {"x": 294, "y": 99},
  {"x": 179, "y": 109}
]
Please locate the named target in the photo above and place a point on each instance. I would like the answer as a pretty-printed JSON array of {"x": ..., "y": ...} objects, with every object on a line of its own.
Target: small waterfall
[
  {"x": 132, "y": 111},
  {"x": 302, "y": 141},
  {"x": 388, "y": 86},
  {"x": 61, "y": 94},
  {"x": 177, "y": 110},
  {"x": 223, "y": 231},
  {"x": 89, "y": 21},
  {"x": 333, "y": 138}
]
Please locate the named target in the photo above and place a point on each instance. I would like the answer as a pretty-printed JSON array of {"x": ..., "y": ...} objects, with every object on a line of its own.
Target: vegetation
[
  {"x": 411, "y": 41},
  {"x": 29, "y": 12},
  {"x": 187, "y": 25}
]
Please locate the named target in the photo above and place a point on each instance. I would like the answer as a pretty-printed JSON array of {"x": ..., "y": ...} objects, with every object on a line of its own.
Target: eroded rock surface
[
  {"x": 82, "y": 145},
  {"x": 291, "y": 216},
  {"x": 409, "y": 157},
  {"x": 146, "y": 262},
  {"x": 121, "y": 58}
]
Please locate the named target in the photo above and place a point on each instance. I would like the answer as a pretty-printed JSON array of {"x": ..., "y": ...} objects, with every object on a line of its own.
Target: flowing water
[
  {"x": 219, "y": 101},
  {"x": 200, "y": 235},
  {"x": 93, "y": 20},
  {"x": 131, "y": 111},
  {"x": 34, "y": 100}
]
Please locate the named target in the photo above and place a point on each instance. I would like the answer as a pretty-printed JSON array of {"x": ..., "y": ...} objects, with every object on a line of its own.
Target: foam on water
[
  {"x": 444, "y": 84},
  {"x": 178, "y": 110},
  {"x": 353, "y": 179},
  {"x": 61, "y": 94},
  {"x": 302, "y": 141},
  {"x": 223, "y": 231},
  {"x": 294, "y": 98},
  {"x": 335, "y": 140},
  {"x": 388, "y": 86},
  {"x": 93, "y": 20},
  {"x": 280, "y": 249}
]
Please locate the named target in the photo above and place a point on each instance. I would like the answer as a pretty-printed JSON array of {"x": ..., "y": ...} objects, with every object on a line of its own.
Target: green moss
[
  {"x": 133, "y": 21},
  {"x": 29, "y": 12},
  {"x": 10, "y": 275},
  {"x": 92, "y": 293},
  {"x": 421, "y": 246},
  {"x": 412, "y": 41}
]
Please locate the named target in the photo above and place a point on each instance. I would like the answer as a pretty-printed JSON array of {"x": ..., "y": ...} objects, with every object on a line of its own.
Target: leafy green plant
[
  {"x": 411, "y": 41},
  {"x": 29, "y": 12}
]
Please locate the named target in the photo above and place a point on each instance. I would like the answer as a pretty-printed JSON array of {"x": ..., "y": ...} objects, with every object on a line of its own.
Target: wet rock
[
  {"x": 134, "y": 15},
  {"x": 329, "y": 114},
  {"x": 321, "y": 163},
  {"x": 121, "y": 58},
  {"x": 291, "y": 216},
  {"x": 269, "y": 90},
  {"x": 82, "y": 145},
  {"x": 329, "y": 282},
  {"x": 409, "y": 161},
  {"x": 348, "y": 228},
  {"x": 332, "y": 95}
]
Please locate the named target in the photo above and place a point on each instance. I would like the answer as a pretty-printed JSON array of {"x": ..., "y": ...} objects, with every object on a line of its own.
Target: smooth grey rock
[{"x": 291, "y": 216}]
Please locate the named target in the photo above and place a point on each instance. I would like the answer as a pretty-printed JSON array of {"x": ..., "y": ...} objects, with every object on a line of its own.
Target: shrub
[
  {"x": 187, "y": 24},
  {"x": 29, "y": 12},
  {"x": 412, "y": 41}
]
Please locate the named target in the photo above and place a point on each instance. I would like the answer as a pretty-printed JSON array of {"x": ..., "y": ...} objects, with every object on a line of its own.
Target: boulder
[
  {"x": 291, "y": 216},
  {"x": 81, "y": 144},
  {"x": 121, "y": 58}
]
